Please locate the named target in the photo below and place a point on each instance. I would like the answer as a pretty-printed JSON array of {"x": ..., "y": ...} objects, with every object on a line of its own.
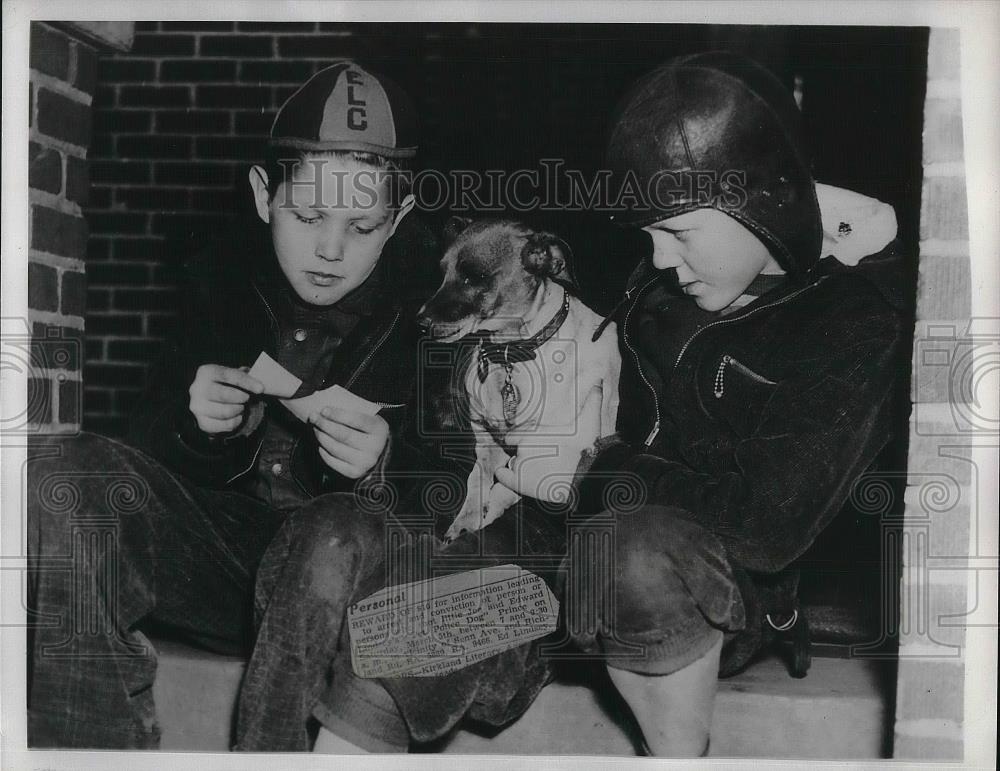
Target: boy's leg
[
  {"x": 310, "y": 571},
  {"x": 115, "y": 539},
  {"x": 328, "y": 743},
  {"x": 674, "y": 711},
  {"x": 386, "y": 715},
  {"x": 656, "y": 610}
]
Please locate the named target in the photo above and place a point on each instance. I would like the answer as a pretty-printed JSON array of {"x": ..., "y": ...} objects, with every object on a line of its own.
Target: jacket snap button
[
  {"x": 276, "y": 469},
  {"x": 300, "y": 335}
]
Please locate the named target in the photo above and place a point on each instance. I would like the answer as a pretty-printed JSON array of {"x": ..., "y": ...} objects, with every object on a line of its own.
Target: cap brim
[{"x": 345, "y": 145}]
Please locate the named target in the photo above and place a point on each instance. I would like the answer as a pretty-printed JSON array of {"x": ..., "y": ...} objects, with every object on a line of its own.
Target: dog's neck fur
[{"x": 544, "y": 305}]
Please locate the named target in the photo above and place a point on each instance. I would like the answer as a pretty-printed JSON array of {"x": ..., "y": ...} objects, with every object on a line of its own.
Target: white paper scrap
[
  {"x": 334, "y": 396},
  {"x": 440, "y": 625},
  {"x": 277, "y": 380}
]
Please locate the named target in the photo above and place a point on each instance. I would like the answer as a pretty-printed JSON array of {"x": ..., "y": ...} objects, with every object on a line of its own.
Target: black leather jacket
[
  {"x": 227, "y": 319},
  {"x": 758, "y": 423}
]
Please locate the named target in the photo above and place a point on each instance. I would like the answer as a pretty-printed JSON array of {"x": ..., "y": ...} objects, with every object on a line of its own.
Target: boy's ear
[
  {"x": 404, "y": 208},
  {"x": 547, "y": 255},
  {"x": 453, "y": 227},
  {"x": 261, "y": 198}
]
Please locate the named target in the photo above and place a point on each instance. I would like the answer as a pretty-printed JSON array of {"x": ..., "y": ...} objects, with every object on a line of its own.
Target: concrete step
[{"x": 840, "y": 710}]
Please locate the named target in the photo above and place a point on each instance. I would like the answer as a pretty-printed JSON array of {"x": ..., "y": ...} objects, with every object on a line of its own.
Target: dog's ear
[
  {"x": 453, "y": 227},
  {"x": 545, "y": 254}
]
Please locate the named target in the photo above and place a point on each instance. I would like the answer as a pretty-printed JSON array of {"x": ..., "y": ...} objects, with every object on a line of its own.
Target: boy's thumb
[{"x": 506, "y": 475}]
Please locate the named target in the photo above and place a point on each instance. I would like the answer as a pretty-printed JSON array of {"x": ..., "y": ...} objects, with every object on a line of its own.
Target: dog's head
[{"x": 493, "y": 271}]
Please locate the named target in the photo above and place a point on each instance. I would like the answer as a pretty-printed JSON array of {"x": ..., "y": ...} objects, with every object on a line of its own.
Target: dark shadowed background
[{"x": 179, "y": 118}]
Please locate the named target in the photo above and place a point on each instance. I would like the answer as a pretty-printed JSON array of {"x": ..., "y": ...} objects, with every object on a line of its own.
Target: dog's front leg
[
  {"x": 480, "y": 480},
  {"x": 501, "y": 498}
]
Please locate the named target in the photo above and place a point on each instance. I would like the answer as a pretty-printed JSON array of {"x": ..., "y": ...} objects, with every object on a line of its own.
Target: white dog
[{"x": 541, "y": 389}]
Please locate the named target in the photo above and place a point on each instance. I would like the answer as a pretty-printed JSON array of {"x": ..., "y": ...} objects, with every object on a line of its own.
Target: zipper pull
[
  {"x": 720, "y": 385},
  {"x": 652, "y": 434}
]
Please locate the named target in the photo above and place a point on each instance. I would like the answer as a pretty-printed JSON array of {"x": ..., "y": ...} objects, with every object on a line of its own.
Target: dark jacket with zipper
[
  {"x": 758, "y": 423},
  {"x": 230, "y": 315}
]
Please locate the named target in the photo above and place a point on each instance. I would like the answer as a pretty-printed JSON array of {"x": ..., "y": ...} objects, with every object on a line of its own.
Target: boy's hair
[{"x": 280, "y": 161}]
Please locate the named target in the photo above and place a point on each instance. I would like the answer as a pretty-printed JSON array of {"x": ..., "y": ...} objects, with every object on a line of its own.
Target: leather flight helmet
[{"x": 717, "y": 130}]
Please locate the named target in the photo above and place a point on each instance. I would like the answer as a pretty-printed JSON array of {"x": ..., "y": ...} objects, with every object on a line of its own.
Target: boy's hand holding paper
[
  {"x": 279, "y": 382},
  {"x": 218, "y": 395},
  {"x": 350, "y": 443},
  {"x": 350, "y": 433}
]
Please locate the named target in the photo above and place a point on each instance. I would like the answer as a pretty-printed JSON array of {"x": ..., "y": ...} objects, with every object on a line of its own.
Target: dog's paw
[
  {"x": 501, "y": 498},
  {"x": 468, "y": 521}
]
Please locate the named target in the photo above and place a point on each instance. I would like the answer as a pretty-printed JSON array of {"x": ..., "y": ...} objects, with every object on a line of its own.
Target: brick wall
[
  {"x": 941, "y": 500},
  {"x": 62, "y": 81},
  {"x": 174, "y": 120}
]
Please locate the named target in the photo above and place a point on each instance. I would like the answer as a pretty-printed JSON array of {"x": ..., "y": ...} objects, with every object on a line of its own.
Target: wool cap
[
  {"x": 717, "y": 130},
  {"x": 348, "y": 107}
]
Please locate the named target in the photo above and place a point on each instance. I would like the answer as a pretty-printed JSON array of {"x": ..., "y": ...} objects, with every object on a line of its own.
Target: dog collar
[{"x": 514, "y": 351}]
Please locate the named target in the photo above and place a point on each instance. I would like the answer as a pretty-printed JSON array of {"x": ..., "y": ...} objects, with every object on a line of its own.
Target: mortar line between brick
[
  {"x": 945, "y": 169},
  {"x": 56, "y": 202},
  {"x": 57, "y": 319},
  {"x": 948, "y": 569},
  {"x": 60, "y": 86},
  {"x": 54, "y": 429},
  {"x": 56, "y": 260},
  {"x": 54, "y": 397},
  {"x": 65, "y": 374},
  {"x": 944, "y": 88},
  {"x": 35, "y": 135},
  {"x": 934, "y": 414},
  {"x": 939, "y": 247},
  {"x": 911, "y": 651},
  {"x": 73, "y": 70}
]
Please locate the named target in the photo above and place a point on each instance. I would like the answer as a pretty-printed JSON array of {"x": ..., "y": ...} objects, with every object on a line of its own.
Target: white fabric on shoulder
[{"x": 854, "y": 225}]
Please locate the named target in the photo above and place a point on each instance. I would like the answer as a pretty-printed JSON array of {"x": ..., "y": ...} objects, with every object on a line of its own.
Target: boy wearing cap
[
  {"x": 757, "y": 386},
  {"x": 167, "y": 529}
]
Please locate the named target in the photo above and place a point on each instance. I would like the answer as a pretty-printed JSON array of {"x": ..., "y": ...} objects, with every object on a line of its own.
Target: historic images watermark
[
  {"x": 314, "y": 182},
  {"x": 935, "y": 566},
  {"x": 48, "y": 357}
]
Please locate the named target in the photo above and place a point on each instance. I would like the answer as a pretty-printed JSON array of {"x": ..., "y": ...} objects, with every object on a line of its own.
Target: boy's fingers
[
  {"x": 356, "y": 420},
  {"x": 338, "y": 465},
  {"x": 240, "y": 379},
  {"x": 338, "y": 431},
  {"x": 225, "y": 411},
  {"x": 213, "y": 426},
  {"x": 217, "y": 410},
  {"x": 337, "y": 448},
  {"x": 224, "y": 394}
]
